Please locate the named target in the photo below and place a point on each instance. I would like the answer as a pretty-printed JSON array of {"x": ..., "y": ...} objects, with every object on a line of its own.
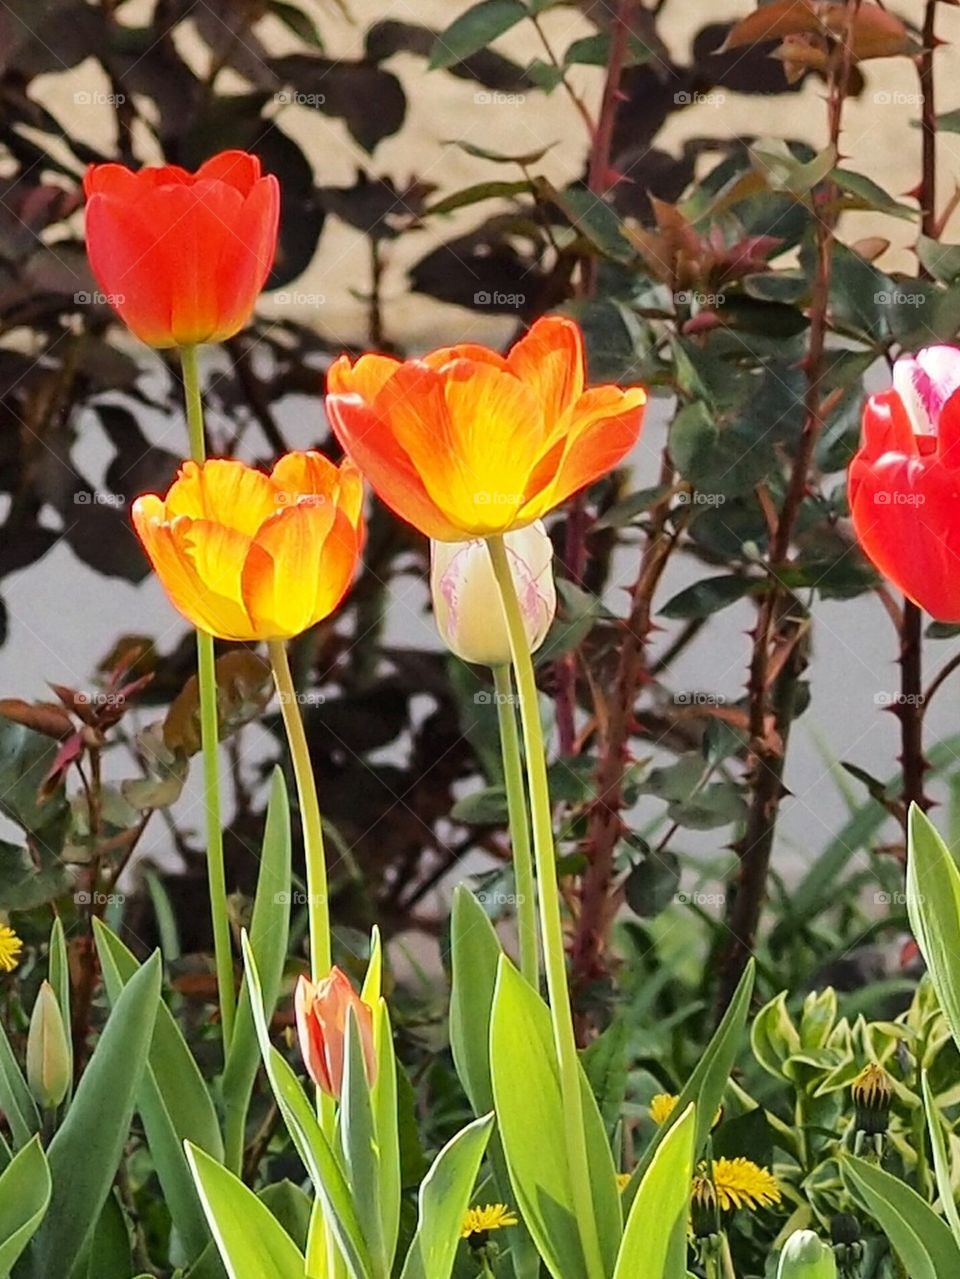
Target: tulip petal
[
  {"x": 925, "y": 382},
  {"x": 550, "y": 360},
  {"x": 368, "y": 439},
  {"x": 366, "y": 378},
  {"x": 121, "y": 249},
  {"x": 224, "y": 491},
  {"x": 279, "y": 583},
  {"x": 605, "y": 424},
  {"x": 472, "y": 351},
  {"x": 238, "y": 169},
  {"x": 247, "y": 251}
]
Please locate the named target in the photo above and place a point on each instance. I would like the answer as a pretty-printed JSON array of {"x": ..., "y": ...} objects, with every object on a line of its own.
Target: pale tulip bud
[
  {"x": 48, "y": 1051},
  {"x": 321, "y": 1012},
  {"x": 805, "y": 1257},
  {"x": 466, "y": 599}
]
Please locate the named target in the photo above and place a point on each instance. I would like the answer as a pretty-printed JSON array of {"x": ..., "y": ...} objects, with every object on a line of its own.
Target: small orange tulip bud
[{"x": 321, "y": 1012}]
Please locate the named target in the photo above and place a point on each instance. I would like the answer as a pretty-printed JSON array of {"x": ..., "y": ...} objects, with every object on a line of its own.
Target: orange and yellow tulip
[
  {"x": 247, "y": 556},
  {"x": 321, "y": 1013},
  {"x": 466, "y": 443},
  {"x": 182, "y": 256}
]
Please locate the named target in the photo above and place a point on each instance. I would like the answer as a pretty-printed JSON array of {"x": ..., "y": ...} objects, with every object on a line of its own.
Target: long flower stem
[
  {"x": 209, "y": 736},
  {"x": 323, "y": 1257},
  {"x": 519, "y": 826},
  {"x": 550, "y": 918}
]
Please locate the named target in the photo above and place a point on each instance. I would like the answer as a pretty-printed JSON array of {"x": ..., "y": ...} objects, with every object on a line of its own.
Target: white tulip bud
[{"x": 466, "y": 599}]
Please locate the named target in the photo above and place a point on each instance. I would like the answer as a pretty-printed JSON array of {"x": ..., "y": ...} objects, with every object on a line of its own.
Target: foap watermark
[
  {"x": 97, "y": 698},
  {"x": 694, "y": 297},
  {"x": 693, "y": 497},
  {"x": 896, "y": 698},
  {"x": 484, "y": 99},
  {"x": 888, "y": 498},
  {"x": 301, "y": 699},
  {"x": 295, "y": 297},
  {"x": 688, "y": 98},
  {"x": 86, "y": 497},
  {"x": 697, "y": 898},
  {"x": 513, "y": 300},
  {"x": 493, "y": 497},
  {"x": 293, "y": 98},
  {"x": 898, "y": 898},
  {"x": 897, "y": 98},
  {"x": 699, "y": 699},
  {"x": 298, "y": 897},
  {"x": 488, "y": 898},
  {"x": 496, "y": 699},
  {"x": 94, "y": 98},
  {"x": 96, "y": 298},
  {"x": 899, "y": 297},
  {"x": 96, "y": 898}
]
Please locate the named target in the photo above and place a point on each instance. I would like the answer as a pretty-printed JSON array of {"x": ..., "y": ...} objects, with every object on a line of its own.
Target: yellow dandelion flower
[
  {"x": 479, "y": 1221},
  {"x": 735, "y": 1183},
  {"x": 662, "y": 1107},
  {"x": 10, "y": 948}
]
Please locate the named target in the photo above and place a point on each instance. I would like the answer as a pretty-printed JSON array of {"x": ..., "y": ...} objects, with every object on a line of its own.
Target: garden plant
[{"x": 491, "y": 954}]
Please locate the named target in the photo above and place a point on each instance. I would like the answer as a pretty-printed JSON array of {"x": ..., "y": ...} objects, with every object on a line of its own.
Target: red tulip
[
  {"x": 321, "y": 1013},
  {"x": 904, "y": 483},
  {"x": 182, "y": 256}
]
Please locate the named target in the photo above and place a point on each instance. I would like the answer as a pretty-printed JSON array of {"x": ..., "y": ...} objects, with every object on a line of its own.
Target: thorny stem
[
  {"x": 207, "y": 684},
  {"x": 779, "y": 629}
]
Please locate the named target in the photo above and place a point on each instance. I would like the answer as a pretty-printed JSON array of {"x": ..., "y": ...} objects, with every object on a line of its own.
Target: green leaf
[
  {"x": 941, "y": 260},
  {"x": 250, "y": 1239},
  {"x": 941, "y": 1159},
  {"x": 862, "y": 192},
  {"x": 25, "y": 1189},
  {"x": 107, "y": 1254},
  {"x": 529, "y": 1110},
  {"x": 707, "y": 1083},
  {"x": 596, "y": 220},
  {"x": 919, "y": 1237},
  {"x": 933, "y": 905},
  {"x": 16, "y": 1100},
  {"x": 312, "y": 1146},
  {"x": 173, "y": 1100},
  {"x": 444, "y": 1199},
  {"x": 475, "y": 956},
  {"x": 269, "y": 936},
  {"x": 59, "y": 977},
  {"x": 606, "y": 1064},
  {"x": 86, "y": 1151},
  {"x": 480, "y": 191},
  {"x": 358, "y": 1141},
  {"x": 654, "y": 1239},
  {"x": 474, "y": 30},
  {"x": 523, "y": 158},
  {"x": 708, "y": 596}
]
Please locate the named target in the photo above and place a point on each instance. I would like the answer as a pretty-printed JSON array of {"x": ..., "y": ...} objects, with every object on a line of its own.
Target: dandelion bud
[
  {"x": 805, "y": 1257},
  {"x": 872, "y": 1093},
  {"x": 48, "y": 1052},
  {"x": 466, "y": 600}
]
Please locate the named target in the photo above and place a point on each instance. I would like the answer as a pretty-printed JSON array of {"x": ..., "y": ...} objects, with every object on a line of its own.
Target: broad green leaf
[
  {"x": 291, "y": 1207},
  {"x": 933, "y": 904},
  {"x": 358, "y": 1143},
  {"x": 24, "y": 1195},
  {"x": 475, "y": 955},
  {"x": 919, "y": 1237},
  {"x": 250, "y": 1239},
  {"x": 173, "y": 1100},
  {"x": 707, "y": 1083},
  {"x": 312, "y": 1146},
  {"x": 107, "y": 1254},
  {"x": 269, "y": 936},
  {"x": 59, "y": 978},
  {"x": 656, "y": 1229},
  {"x": 16, "y": 1100},
  {"x": 444, "y": 1199},
  {"x": 473, "y": 31},
  {"x": 86, "y": 1151},
  {"x": 373, "y": 978},
  {"x": 529, "y": 1110},
  {"x": 941, "y": 1159},
  {"x": 386, "y": 1119}
]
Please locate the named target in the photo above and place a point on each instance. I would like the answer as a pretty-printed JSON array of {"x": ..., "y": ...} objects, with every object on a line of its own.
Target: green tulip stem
[
  {"x": 551, "y": 923},
  {"x": 207, "y": 683},
  {"x": 519, "y": 826}
]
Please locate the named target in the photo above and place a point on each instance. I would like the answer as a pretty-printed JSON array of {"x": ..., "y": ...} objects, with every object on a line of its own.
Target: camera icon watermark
[
  {"x": 487, "y": 898},
  {"x": 697, "y": 898},
  {"x": 694, "y": 297},
  {"x": 699, "y": 699},
  {"x": 485, "y": 99},
  {"x": 96, "y": 298},
  {"x": 292, "y": 98},
  {"x": 885, "y": 698},
  {"x": 693, "y": 497},
  {"x": 887, "y": 497},
  {"x": 496, "y": 699},
  {"x": 298, "y": 897},
  {"x": 512, "y": 300},
  {"x": 295, "y": 297},
  {"x": 93, "y": 98},
  {"x": 96, "y": 898},
  {"x": 897, "y": 98},
  {"x": 86, "y": 497},
  {"x": 897, "y": 297},
  {"x": 688, "y": 98},
  {"x": 301, "y": 699}
]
